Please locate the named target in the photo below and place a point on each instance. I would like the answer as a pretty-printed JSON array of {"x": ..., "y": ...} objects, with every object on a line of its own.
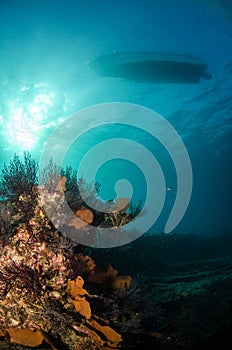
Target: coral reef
[
  {"x": 42, "y": 293},
  {"x": 42, "y": 273}
]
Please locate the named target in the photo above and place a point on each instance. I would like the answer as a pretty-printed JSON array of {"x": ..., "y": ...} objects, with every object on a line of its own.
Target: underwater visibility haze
[
  {"x": 137, "y": 95},
  {"x": 46, "y": 75}
]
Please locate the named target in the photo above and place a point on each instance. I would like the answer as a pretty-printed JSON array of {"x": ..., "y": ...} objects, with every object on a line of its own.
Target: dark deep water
[{"x": 47, "y": 51}]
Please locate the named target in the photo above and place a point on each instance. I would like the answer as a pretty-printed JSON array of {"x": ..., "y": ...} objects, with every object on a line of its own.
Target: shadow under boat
[{"x": 151, "y": 67}]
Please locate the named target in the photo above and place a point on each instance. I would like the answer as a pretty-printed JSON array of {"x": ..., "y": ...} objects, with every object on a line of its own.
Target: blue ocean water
[{"x": 46, "y": 49}]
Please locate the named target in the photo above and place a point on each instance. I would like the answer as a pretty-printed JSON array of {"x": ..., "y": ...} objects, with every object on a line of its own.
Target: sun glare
[{"x": 28, "y": 114}]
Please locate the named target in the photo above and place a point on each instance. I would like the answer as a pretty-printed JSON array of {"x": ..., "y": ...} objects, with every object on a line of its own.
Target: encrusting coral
[
  {"x": 77, "y": 292},
  {"x": 25, "y": 336}
]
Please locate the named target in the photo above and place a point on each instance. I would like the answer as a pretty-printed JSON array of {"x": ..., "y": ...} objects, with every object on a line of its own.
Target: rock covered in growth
[{"x": 41, "y": 293}]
